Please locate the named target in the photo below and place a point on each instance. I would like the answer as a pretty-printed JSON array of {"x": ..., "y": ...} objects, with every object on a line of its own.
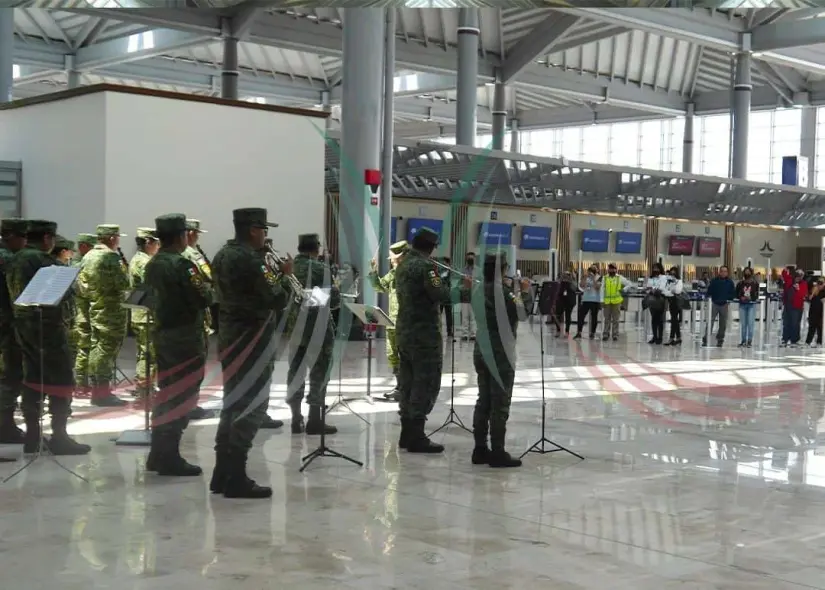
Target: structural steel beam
[
  {"x": 535, "y": 44},
  {"x": 132, "y": 48},
  {"x": 244, "y": 18},
  {"x": 790, "y": 33}
]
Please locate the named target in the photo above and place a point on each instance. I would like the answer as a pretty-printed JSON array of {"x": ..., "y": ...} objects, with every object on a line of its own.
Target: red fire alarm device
[
  {"x": 374, "y": 201},
  {"x": 372, "y": 178}
]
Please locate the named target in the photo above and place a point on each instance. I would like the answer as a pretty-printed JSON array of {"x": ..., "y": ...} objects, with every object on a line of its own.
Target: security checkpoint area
[{"x": 651, "y": 172}]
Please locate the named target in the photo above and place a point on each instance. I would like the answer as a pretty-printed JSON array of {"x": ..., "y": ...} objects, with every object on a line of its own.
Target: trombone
[{"x": 274, "y": 261}]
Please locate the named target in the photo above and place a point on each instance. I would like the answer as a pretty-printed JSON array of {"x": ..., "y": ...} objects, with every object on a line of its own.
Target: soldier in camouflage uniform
[
  {"x": 45, "y": 346},
  {"x": 386, "y": 284},
  {"x": 81, "y": 336},
  {"x": 251, "y": 298},
  {"x": 498, "y": 305},
  {"x": 311, "y": 341},
  {"x": 178, "y": 298},
  {"x": 103, "y": 281},
  {"x": 194, "y": 255},
  {"x": 13, "y": 234},
  {"x": 418, "y": 335},
  {"x": 147, "y": 246},
  {"x": 63, "y": 253}
]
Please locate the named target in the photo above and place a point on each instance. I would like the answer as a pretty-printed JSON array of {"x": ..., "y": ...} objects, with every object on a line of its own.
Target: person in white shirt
[
  {"x": 466, "y": 317},
  {"x": 656, "y": 302},
  {"x": 673, "y": 294}
]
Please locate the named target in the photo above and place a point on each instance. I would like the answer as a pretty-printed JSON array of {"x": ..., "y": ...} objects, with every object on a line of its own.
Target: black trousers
[
  {"x": 657, "y": 320},
  {"x": 47, "y": 360},
  {"x": 675, "y": 305},
  {"x": 564, "y": 314},
  {"x": 592, "y": 308},
  {"x": 814, "y": 328},
  {"x": 448, "y": 316}
]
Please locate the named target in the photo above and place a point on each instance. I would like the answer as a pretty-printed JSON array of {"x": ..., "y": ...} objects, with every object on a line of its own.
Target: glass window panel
[
  {"x": 624, "y": 144},
  {"x": 596, "y": 143},
  {"x": 571, "y": 143},
  {"x": 761, "y": 120},
  {"x": 540, "y": 143},
  {"x": 788, "y": 118}
]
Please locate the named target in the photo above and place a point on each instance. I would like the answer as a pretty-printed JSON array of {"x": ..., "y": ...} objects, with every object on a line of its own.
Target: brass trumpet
[{"x": 274, "y": 261}]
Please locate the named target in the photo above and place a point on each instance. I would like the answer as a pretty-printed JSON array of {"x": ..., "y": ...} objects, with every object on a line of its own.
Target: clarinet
[
  {"x": 123, "y": 260},
  {"x": 202, "y": 253}
]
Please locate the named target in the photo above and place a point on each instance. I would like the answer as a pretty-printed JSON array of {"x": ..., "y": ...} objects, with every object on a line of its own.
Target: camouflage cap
[
  {"x": 14, "y": 226},
  {"x": 253, "y": 216},
  {"x": 308, "y": 242},
  {"x": 171, "y": 223},
  {"x": 195, "y": 225},
  {"x": 88, "y": 239},
  {"x": 426, "y": 235},
  {"x": 42, "y": 226},
  {"x": 62, "y": 243},
  {"x": 108, "y": 230},
  {"x": 147, "y": 233},
  {"x": 399, "y": 248}
]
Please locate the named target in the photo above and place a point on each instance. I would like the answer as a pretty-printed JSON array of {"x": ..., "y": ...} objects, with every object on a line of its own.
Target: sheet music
[
  {"x": 49, "y": 286},
  {"x": 317, "y": 297}
]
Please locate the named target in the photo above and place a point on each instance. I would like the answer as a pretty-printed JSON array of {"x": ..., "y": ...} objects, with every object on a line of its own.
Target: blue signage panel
[
  {"x": 628, "y": 242},
  {"x": 535, "y": 237},
  {"x": 595, "y": 240},
  {"x": 393, "y": 229},
  {"x": 495, "y": 234},
  {"x": 414, "y": 224}
]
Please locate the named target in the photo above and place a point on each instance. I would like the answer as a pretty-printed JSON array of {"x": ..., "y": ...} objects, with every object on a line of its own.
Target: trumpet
[
  {"x": 449, "y": 268},
  {"x": 274, "y": 261}
]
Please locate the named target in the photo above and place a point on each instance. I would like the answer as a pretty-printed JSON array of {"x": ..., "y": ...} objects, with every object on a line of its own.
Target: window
[
  {"x": 141, "y": 42},
  {"x": 15, "y": 71},
  {"x": 714, "y": 140},
  {"x": 652, "y": 145},
  {"x": 597, "y": 143}
]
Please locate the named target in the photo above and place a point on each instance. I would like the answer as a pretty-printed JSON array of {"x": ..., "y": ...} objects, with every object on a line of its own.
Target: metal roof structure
[{"x": 437, "y": 171}]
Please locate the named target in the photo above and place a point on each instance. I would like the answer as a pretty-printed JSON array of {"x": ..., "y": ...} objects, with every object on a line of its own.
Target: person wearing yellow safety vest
[{"x": 613, "y": 287}]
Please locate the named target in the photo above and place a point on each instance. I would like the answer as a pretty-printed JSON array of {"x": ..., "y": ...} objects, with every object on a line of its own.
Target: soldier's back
[
  {"x": 419, "y": 317},
  {"x": 6, "y": 257},
  {"x": 22, "y": 268},
  {"x": 236, "y": 293},
  {"x": 165, "y": 275}
]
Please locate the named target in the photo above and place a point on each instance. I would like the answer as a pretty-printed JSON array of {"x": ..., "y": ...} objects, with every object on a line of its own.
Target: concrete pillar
[
  {"x": 6, "y": 54},
  {"x": 807, "y": 142},
  {"x": 467, "y": 91},
  {"x": 361, "y": 119},
  {"x": 515, "y": 136},
  {"x": 72, "y": 75},
  {"x": 499, "y": 116},
  {"x": 742, "y": 89},
  {"x": 687, "y": 140},
  {"x": 387, "y": 147},
  {"x": 230, "y": 73}
]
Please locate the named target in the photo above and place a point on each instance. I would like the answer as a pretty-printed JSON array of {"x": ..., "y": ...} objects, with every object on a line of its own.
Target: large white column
[
  {"x": 742, "y": 89},
  {"x": 499, "y": 115},
  {"x": 6, "y": 54},
  {"x": 467, "y": 91},
  {"x": 807, "y": 141},
  {"x": 687, "y": 140},
  {"x": 515, "y": 136},
  {"x": 230, "y": 72}
]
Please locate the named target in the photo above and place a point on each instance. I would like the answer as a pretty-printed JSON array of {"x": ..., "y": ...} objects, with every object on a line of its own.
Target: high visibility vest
[{"x": 612, "y": 290}]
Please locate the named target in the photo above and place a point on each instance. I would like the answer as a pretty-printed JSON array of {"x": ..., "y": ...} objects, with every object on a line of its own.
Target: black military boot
[
  {"x": 60, "y": 442},
  {"x": 10, "y": 434},
  {"x": 170, "y": 462},
  {"x": 481, "y": 452},
  {"x": 199, "y": 413},
  {"x": 155, "y": 451},
  {"x": 498, "y": 456},
  {"x": 33, "y": 437},
  {"x": 238, "y": 484},
  {"x": 297, "y": 424},
  {"x": 315, "y": 423},
  {"x": 271, "y": 423},
  {"x": 102, "y": 396},
  {"x": 404, "y": 437},
  {"x": 395, "y": 393},
  {"x": 418, "y": 442},
  {"x": 217, "y": 484}
]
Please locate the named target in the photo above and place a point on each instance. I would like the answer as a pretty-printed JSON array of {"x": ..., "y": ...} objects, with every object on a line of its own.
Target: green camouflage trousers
[
  {"x": 82, "y": 337},
  {"x": 392, "y": 351},
  {"x": 419, "y": 379},
  {"x": 495, "y": 390},
  {"x": 106, "y": 343},
  {"x": 145, "y": 349}
]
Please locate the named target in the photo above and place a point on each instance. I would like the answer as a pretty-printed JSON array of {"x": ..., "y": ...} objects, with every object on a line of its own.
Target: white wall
[
  {"x": 405, "y": 209},
  {"x": 166, "y": 155},
  {"x": 62, "y": 147},
  {"x": 748, "y": 241},
  {"x": 580, "y": 222},
  {"x": 698, "y": 230}
]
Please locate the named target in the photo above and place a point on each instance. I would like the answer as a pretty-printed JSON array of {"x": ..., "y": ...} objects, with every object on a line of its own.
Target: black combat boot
[
  {"x": 60, "y": 442},
  {"x": 199, "y": 413},
  {"x": 10, "y": 434},
  {"x": 221, "y": 470},
  {"x": 418, "y": 442},
  {"x": 238, "y": 484},
  {"x": 315, "y": 423},
  {"x": 404, "y": 437},
  {"x": 170, "y": 462},
  {"x": 156, "y": 450},
  {"x": 271, "y": 423},
  {"x": 102, "y": 396},
  {"x": 481, "y": 452},
  {"x": 498, "y": 456},
  {"x": 297, "y": 424},
  {"x": 33, "y": 437}
]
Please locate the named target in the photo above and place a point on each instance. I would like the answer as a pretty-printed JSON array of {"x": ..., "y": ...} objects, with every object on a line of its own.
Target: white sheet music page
[
  {"x": 49, "y": 286},
  {"x": 318, "y": 297}
]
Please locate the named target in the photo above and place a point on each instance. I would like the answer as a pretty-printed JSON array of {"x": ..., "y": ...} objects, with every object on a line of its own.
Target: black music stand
[
  {"x": 547, "y": 305},
  {"x": 345, "y": 401},
  {"x": 141, "y": 299},
  {"x": 372, "y": 317},
  {"x": 452, "y": 415},
  {"x": 47, "y": 289}
]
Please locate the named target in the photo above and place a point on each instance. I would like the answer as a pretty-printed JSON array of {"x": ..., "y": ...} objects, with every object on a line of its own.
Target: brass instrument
[
  {"x": 123, "y": 260},
  {"x": 274, "y": 261},
  {"x": 449, "y": 268},
  {"x": 202, "y": 253}
]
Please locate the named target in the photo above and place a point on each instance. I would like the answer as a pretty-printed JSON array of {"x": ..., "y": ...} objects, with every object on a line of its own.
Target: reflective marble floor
[{"x": 703, "y": 470}]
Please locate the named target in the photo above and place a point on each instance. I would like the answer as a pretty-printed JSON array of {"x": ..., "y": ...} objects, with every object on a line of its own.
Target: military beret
[
  {"x": 308, "y": 242},
  {"x": 427, "y": 235},
  {"x": 88, "y": 239},
  {"x": 170, "y": 223},
  {"x": 252, "y": 216},
  {"x": 42, "y": 226},
  {"x": 62, "y": 243},
  {"x": 108, "y": 230},
  {"x": 147, "y": 233},
  {"x": 194, "y": 225},
  {"x": 399, "y": 248},
  {"x": 14, "y": 226}
]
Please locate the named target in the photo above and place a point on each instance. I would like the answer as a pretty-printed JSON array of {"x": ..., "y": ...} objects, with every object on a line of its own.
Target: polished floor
[{"x": 703, "y": 470}]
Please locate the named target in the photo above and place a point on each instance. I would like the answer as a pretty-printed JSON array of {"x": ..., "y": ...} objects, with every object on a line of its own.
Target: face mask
[
  {"x": 470, "y": 261},
  {"x": 611, "y": 272}
]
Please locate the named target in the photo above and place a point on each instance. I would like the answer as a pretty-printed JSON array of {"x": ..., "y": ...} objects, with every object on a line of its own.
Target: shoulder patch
[{"x": 432, "y": 273}]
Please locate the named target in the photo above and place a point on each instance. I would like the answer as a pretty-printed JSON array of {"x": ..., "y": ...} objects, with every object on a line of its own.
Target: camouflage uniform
[
  {"x": 420, "y": 346},
  {"x": 179, "y": 298},
  {"x": 11, "y": 360},
  {"x": 312, "y": 340},
  {"x": 251, "y": 298},
  {"x": 44, "y": 343},
  {"x": 497, "y": 310},
  {"x": 70, "y": 306},
  {"x": 140, "y": 319},
  {"x": 80, "y": 338},
  {"x": 103, "y": 280}
]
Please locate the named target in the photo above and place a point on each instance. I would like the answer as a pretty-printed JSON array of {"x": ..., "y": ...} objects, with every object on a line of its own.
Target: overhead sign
[
  {"x": 393, "y": 229},
  {"x": 414, "y": 224},
  {"x": 628, "y": 242},
  {"x": 535, "y": 237},
  {"x": 680, "y": 245},
  {"x": 595, "y": 240},
  {"x": 495, "y": 234},
  {"x": 709, "y": 247}
]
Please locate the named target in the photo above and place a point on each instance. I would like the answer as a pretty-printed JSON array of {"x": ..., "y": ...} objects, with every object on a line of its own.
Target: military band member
[
  {"x": 498, "y": 307},
  {"x": 252, "y": 300},
  {"x": 13, "y": 235},
  {"x": 147, "y": 246},
  {"x": 178, "y": 299},
  {"x": 386, "y": 284},
  {"x": 63, "y": 250},
  {"x": 44, "y": 344},
  {"x": 103, "y": 281},
  {"x": 85, "y": 242},
  {"x": 418, "y": 335},
  {"x": 311, "y": 341},
  {"x": 81, "y": 335},
  {"x": 63, "y": 253}
]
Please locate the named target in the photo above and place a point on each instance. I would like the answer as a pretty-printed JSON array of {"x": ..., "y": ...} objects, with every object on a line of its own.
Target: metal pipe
[
  {"x": 742, "y": 89},
  {"x": 385, "y": 211},
  {"x": 467, "y": 91},
  {"x": 230, "y": 73},
  {"x": 499, "y": 115},
  {"x": 6, "y": 54}
]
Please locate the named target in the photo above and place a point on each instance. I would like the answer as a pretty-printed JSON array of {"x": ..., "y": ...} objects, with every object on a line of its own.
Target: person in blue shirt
[{"x": 721, "y": 291}]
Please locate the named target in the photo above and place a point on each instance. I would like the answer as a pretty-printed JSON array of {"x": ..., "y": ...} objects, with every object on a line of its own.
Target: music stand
[
  {"x": 370, "y": 316},
  {"x": 546, "y": 306},
  {"x": 47, "y": 289},
  {"x": 359, "y": 311},
  {"x": 142, "y": 300},
  {"x": 452, "y": 415}
]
